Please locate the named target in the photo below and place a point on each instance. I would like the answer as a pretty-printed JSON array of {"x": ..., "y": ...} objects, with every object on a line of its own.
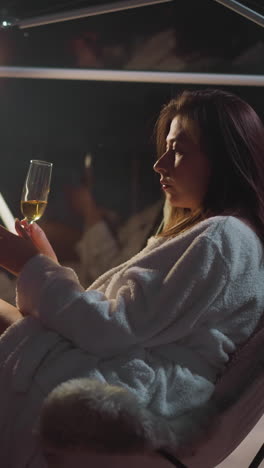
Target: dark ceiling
[
  {"x": 28, "y": 8},
  {"x": 181, "y": 35}
]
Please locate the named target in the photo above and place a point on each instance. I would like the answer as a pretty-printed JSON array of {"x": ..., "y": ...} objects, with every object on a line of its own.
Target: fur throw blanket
[{"x": 89, "y": 414}]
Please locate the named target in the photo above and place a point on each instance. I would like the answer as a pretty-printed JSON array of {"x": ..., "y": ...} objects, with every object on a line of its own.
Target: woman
[{"x": 163, "y": 324}]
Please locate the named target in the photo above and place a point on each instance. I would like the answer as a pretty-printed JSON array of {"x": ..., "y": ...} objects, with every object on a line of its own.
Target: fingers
[
  {"x": 40, "y": 240},
  {"x": 34, "y": 234},
  {"x": 15, "y": 251},
  {"x": 22, "y": 228},
  {"x": 37, "y": 234}
]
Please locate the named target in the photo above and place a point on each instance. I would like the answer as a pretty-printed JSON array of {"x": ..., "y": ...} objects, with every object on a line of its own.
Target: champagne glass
[{"x": 36, "y": 189}]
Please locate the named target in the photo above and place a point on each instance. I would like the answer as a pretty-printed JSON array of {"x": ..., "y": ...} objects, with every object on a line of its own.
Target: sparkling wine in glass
[{"x": 36, "y": 189}]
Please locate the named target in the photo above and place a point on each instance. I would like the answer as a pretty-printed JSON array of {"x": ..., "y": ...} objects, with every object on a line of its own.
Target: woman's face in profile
[{"x": 184, "y": 168}]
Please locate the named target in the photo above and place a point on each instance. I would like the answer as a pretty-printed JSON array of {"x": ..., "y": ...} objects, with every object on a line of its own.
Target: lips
[{"x": 165, "y": 184}]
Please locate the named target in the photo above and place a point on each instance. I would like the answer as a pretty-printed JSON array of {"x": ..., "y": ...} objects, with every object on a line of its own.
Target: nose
[{"x": 161, "y": 165}]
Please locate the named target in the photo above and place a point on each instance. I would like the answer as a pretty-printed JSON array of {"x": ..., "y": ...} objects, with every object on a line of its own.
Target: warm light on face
[{"x": 184, "y": 168}]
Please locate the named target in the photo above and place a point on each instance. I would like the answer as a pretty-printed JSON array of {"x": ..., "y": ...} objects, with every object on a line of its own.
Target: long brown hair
[{"x": 232, "y": 137}]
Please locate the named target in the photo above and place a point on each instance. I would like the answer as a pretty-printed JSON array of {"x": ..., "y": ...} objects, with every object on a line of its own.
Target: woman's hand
[
  {"x": 15, "y": 251},
  {"x": 37, "y": 236}
]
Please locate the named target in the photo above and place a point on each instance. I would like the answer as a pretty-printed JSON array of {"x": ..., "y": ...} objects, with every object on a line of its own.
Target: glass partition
[{"x": 187, "y": 36}]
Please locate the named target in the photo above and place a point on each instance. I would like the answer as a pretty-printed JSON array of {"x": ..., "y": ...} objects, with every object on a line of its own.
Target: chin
[{"x": 175, "y": 203}]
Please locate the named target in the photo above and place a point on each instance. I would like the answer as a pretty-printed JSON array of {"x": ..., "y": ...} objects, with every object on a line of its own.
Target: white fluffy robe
[{"x": 162, "y": 325}]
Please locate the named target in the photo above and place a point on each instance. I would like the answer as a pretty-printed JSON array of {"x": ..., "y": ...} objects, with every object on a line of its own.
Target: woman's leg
[{"x": 8, "y": 315}]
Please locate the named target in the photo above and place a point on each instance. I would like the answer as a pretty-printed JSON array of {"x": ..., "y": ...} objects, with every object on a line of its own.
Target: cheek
[
  {"x": 183, "y": 170},
  {"x": 194, "y": 174},
  {"x": 178, "y": 161}
]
